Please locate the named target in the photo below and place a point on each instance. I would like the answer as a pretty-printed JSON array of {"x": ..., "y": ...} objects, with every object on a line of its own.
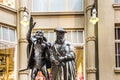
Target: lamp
[
  {"x": 25, "y": 20},
  {"x": 93, "y": 18}
]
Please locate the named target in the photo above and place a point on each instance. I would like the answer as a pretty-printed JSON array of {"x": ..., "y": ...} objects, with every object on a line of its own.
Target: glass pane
[
  {"x": 51, "y": 37},
  {"x": 56, "y": 5},
  {"x": 119, "y": 61},
  {"x": 115, "y": 33},
  {"x": 75, "y": 5},
  {"x": 68, "y": 36},
  {"x": 118, "y": 48},
  {"x": 5, "y": 34},
  {"x": 46, "y": 35},
  {"x": 118, "y": 35},
  {"x": 40, "y": 5},
  {"x": 80, "y": 37},
  {"x": 12, "y": 35},
  {"x": 116, "y": 60},
  {"x": 7, "y": 60},
  {"x": 74, "y": 37},
  {"x": 117, "y": 1}
]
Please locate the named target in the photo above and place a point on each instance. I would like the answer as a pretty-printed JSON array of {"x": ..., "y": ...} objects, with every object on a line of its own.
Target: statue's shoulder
[
  {"x": 67, "y": 43},
  {"x": 52, "y": 44}
]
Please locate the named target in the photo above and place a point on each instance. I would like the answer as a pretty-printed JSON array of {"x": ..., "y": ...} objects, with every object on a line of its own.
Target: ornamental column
[
  {"x": 22, "y": 31},
  {"x": 90, "y": 43}
]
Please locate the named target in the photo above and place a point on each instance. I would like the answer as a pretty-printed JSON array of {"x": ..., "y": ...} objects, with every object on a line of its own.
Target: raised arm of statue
[{"x": 31, "y": 26}]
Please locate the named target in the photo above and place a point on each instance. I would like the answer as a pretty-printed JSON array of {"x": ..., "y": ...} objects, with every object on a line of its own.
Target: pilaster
[
  {"x": 90, "y": 43},
  {"x": 22, "y": 32}
]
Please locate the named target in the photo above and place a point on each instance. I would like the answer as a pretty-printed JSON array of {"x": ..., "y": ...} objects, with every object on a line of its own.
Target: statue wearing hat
[{"x": 63, "y": 53}]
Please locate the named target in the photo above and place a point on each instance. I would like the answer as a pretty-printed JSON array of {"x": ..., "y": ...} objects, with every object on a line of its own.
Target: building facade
[{"x": 96, "y": 46}]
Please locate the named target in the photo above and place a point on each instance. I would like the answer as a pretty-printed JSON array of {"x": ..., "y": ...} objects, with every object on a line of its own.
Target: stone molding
[
  {"x": 22, "y": 40},
  {"x": 117, "y": 70},
  {"x": 116, "y": 6},
  {"x": 92, "y": 38},
  {"x": 24, "y": 72},
  {"x": 91, "y": 70}
]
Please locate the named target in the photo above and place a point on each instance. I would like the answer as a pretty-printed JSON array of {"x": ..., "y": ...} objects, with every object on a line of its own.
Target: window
[
  {"x": 117, "y": 46},
  {"x": 117, "y": 1},
  {"x": 9, "y": 3},
  {"x": 7, "y": 34},
  {"x": 57, "y": 5},
  {"x": 74, "y": 36}
]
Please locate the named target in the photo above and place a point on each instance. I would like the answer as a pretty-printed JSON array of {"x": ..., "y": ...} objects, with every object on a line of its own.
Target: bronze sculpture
[
  {"x": 37, "y": 51},
  {"x": 64, "y": 56}
]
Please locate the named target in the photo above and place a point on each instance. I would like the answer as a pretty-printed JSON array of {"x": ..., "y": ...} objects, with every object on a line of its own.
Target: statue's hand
[
  {"x": 56, "y": 62},
  {"x": 32, "y": 24},
  {"x": 61, "y": 58}
]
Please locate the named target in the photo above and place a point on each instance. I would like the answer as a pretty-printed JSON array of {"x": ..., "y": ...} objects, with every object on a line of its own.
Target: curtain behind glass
[
  {"x": 74, "y": 5},
  {"x": 12, "y": 35},
  {"x": 5, "y": 34},
  {"x": 57, "y": 5},
  {"x": 40, "y": 5}
]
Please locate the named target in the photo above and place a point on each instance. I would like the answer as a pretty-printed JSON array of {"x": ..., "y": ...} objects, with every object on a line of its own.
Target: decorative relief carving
[
  {"x": 91, "y": 70},
  {"x": 92, "y": 38}
]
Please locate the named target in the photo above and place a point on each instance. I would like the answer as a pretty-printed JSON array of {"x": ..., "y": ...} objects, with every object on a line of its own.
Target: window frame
[
  {"x": 117, "y": 54},
  {"x": 9, "y": 35}
]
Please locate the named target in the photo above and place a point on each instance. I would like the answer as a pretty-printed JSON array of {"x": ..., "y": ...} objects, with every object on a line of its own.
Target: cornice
[
  {"x": 116, "y": 6},
  {"x": 6, "y": 24},
  {"x": 8, "y": 8},
  {"x": 56, "y": 13}
]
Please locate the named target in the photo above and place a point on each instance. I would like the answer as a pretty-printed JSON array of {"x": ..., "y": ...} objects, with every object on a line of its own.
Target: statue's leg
[
  {"x": 34, "y": 73},
  {"x": 45, "y": 72}
]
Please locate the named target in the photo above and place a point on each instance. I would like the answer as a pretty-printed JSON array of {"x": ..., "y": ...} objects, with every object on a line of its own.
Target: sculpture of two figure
[{"x": 58, "y": 56}]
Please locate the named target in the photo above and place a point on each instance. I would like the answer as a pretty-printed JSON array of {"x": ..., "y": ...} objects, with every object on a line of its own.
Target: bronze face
[{"x": 39, "y": 35}]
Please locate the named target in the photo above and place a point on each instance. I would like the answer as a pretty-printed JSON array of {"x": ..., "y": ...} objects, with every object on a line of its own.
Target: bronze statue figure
[
  {"x": 37, "y": 51},
  {"x": 63, "y": 55}
]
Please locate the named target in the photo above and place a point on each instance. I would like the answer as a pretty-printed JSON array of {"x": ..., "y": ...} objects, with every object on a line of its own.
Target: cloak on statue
[{"x": 30, "y": 53}]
